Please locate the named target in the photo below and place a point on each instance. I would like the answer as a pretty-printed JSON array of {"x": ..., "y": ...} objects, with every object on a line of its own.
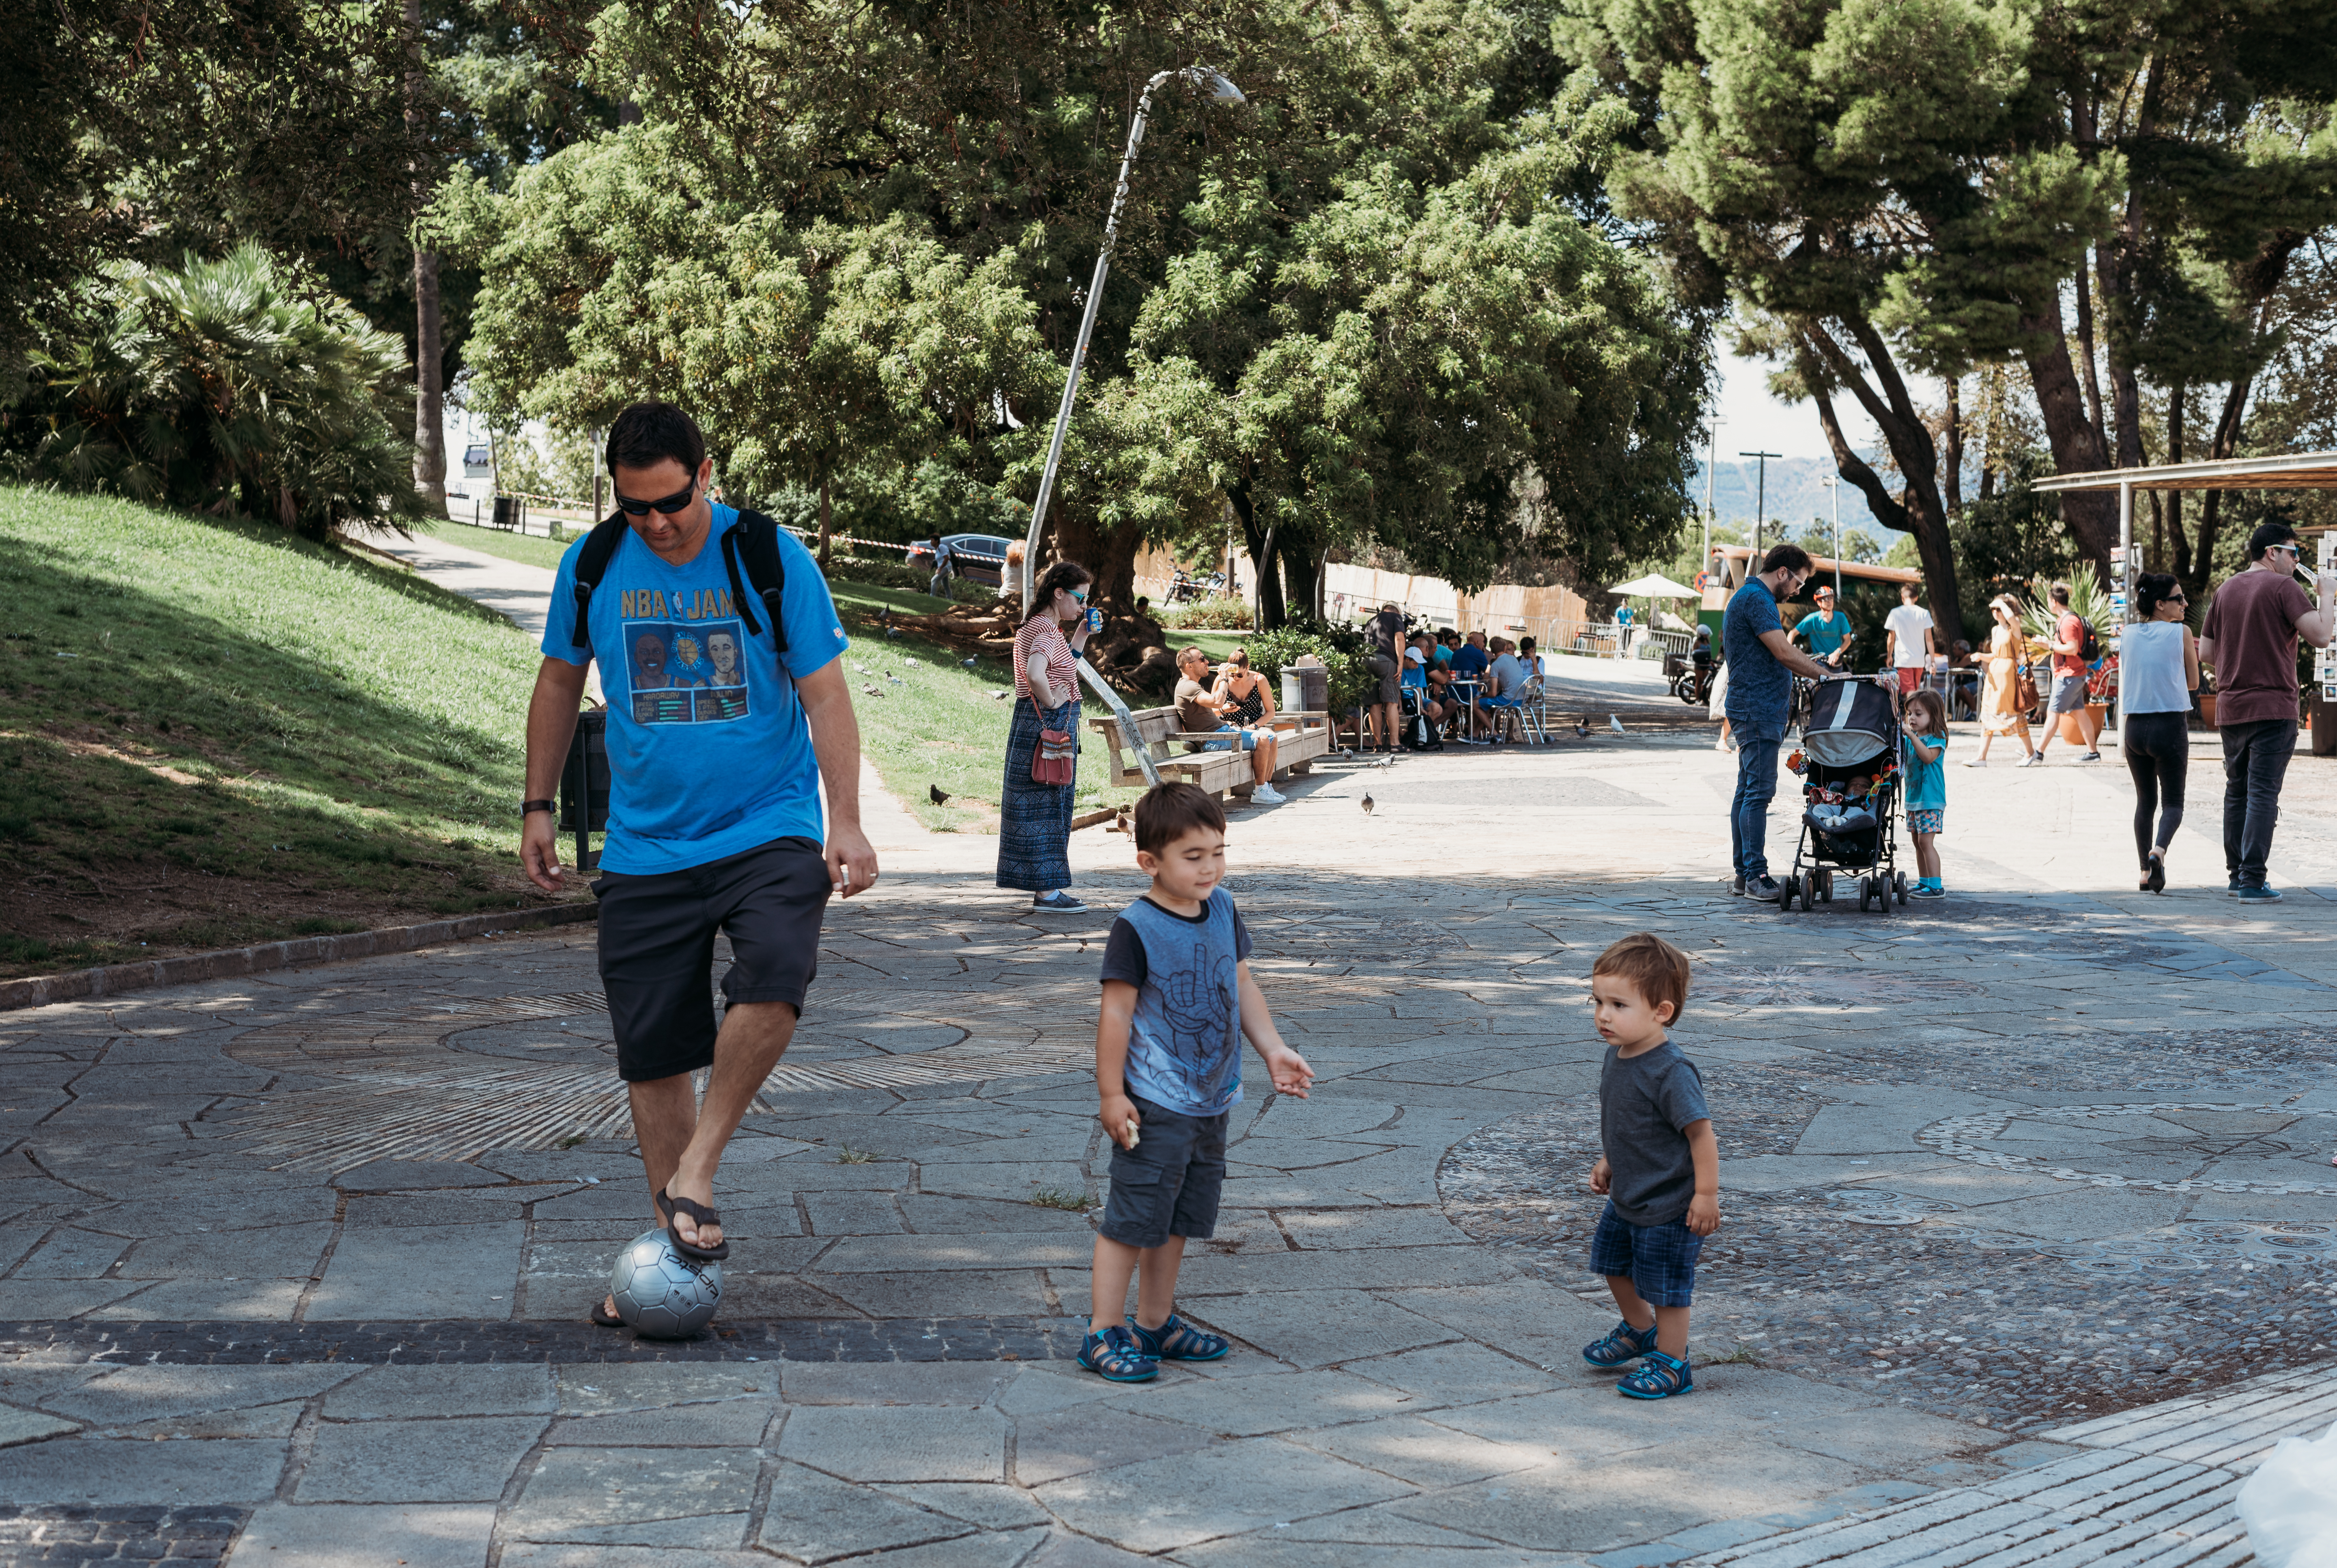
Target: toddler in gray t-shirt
[{"x": 1659, "y": 1168}]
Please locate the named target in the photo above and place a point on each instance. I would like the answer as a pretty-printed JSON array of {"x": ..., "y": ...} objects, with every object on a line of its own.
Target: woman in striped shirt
[{"x": 1034, "y": 820}]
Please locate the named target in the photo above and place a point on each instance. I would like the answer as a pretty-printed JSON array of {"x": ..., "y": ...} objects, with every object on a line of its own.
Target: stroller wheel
[
  {"x": 1825, "y": 886},
  {"x": 1865, "y": 893},
  {"x": 1899, "y": 887}
]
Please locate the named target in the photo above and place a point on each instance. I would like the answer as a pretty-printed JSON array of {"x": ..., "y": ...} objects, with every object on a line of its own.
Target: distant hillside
[{"x": 1794, "y": 493}]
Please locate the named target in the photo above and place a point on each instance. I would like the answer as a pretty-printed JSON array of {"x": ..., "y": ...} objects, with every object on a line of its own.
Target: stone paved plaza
[{"x": 2025, "y": 1253}]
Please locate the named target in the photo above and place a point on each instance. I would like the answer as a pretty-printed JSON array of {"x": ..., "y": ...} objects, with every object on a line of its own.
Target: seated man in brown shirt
[{"x": 1198, "y": 713}]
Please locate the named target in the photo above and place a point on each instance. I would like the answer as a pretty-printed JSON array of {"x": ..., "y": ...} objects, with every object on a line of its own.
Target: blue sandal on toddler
[
  {"x": 1115, "y": 1357},
  {"x": 1659, "y": 1378},
  {"x": 1623, "y": 1343},
  {"x": 1177, "y": 1340}
]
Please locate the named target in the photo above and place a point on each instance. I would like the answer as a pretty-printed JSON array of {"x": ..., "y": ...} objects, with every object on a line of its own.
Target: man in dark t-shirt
[
  {"x": 2250, "y": 641},
  {"x": 1762, "y": 664},
  {"x": 1383, "y": 635}
]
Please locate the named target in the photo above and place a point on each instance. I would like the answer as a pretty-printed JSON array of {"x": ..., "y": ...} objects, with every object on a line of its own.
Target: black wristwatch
[{"x": 525, "y": 808}]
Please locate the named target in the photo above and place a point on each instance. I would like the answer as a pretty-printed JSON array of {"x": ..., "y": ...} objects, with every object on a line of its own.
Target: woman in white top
[{"x": 2158, "y": 669}]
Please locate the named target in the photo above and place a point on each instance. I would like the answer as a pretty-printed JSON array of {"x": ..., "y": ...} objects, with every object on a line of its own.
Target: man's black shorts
[{"x": 657, "y": 949}]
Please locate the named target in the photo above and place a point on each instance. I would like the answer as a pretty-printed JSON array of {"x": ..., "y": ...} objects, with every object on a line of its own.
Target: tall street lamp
[
  {"x": 1760, "y": 505},
  {"x": 1220, "y": 91},
  {"x": 1835, "y": 486}
]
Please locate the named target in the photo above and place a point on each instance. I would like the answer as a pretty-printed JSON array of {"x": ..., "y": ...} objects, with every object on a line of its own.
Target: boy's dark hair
[
  {"x": 1169, "y": 811},
  {"x": 2266, "y": 535},
  {"x": 1931, "y": 703},
  {"x": 1653, "y": 965},
  {"x": 2152, "y": 588},
  {"x": 647, "y": 433},
  {"x": 1060, "y": 577},
  {"x": 1786, "y": 558},
  {"x": 2058, "y": 593}
]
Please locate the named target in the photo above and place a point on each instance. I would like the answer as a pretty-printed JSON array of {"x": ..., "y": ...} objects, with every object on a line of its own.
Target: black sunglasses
[{"x": 669, "y": 505}]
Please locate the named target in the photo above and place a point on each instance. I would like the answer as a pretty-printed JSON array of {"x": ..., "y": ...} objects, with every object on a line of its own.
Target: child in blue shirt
[
  {"x": 1178, "y": 998},
  {"x": 1923, "y": 738}
]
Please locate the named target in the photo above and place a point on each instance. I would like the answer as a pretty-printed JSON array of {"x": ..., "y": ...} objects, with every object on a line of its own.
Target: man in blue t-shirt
[
  {"x": 718, "y": 744},
  {"x": 1762, "y": 664},
  {"x": 1826, "y": 630}
]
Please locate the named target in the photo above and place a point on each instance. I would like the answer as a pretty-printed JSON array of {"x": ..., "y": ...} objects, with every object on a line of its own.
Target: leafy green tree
[
  {"x": 1911, "y": 187},
  {"x": 1385, "y": 300},
  {"x": 222, "y": 386},
  {"x": 155, "y": 126}
]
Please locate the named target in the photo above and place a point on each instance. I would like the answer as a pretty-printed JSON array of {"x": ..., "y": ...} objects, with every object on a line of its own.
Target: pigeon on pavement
[
  {"x": 1582, "y": 727},
  {"x": 1368, "y": 803},
  {"x": 1614, "y": 723}
]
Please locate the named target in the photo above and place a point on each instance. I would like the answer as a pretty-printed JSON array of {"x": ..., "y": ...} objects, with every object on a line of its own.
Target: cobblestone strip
[
  {"x": 459, "y": 1343},
  {"x": 161, "y": 1537}
]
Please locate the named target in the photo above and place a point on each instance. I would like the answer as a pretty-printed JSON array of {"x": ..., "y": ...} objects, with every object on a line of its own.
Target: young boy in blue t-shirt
[{"x": 1178, "y": 998}]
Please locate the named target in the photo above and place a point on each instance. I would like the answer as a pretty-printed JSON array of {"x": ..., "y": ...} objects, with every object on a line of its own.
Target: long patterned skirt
[{"x": 1034, "y": 820}]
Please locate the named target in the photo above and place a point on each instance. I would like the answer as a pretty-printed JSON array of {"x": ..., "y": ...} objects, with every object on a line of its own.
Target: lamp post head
[{"x": 1214, "y": 83}]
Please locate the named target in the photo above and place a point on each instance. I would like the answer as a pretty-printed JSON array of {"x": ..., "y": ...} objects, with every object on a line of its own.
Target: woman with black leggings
[{"x": 2158, "y": 669}]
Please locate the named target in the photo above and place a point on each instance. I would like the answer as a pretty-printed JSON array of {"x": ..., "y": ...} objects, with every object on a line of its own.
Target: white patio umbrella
[{"x": 1655, "y": 585}]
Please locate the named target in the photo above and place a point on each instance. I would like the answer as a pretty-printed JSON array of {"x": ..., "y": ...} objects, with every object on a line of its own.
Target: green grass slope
[{"x": 214, "y": 733}]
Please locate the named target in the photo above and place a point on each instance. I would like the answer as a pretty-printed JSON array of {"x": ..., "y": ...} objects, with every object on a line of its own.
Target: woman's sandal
[
  {"x": 600, "y": 1317},
  {"x": 701, "y": 1216},
  {"x": 1177, "y": 1340},
  {"x": 1113, "y": 1356},
  {"x": 1660, "y": 1377},
  {"x": 2154, "y": 881}
]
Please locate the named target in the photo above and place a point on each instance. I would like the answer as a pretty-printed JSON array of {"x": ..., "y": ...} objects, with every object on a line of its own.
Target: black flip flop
[
  {"x": 701, "y": 1216},
  {"x": 602, "y": 1317}
]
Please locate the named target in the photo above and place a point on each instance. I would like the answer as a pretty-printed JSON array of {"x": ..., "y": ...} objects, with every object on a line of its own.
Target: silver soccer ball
[{"x": 659, "y": 1292}]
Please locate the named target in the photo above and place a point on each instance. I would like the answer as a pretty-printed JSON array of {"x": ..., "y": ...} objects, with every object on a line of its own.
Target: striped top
[{"x": 1040, "y": 634}]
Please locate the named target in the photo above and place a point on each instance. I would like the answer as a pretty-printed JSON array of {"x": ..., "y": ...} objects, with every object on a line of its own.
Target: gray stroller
[{"x": 1853, "y": 733}]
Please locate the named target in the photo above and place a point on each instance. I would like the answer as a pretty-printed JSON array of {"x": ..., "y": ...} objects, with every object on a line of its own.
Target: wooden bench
[{"x": 1299, "y": 739}]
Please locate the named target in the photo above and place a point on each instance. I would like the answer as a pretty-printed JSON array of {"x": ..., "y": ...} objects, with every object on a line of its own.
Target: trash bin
[
  {"x": 1306, "y": 689},
  {"x": 503, "y": 512}
]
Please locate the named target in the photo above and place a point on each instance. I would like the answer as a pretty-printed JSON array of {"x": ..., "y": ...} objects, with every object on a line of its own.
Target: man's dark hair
[
  {"x": 1060, "y": 577},
  {"x": 2152, "y": 588},
  {"x": 647, "y": 433},
  {"x": 2058, "y": 593},
  {"x": 1785, "y": 558},
  {"x": 2266, "y": 535},
  {"x": 1910, "y": 590},
  {"x": 1169, "y": 811}
]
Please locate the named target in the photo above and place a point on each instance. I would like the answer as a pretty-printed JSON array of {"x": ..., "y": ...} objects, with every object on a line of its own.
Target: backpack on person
[
  {"x": 2090, "y": 646},
  {"x": 753, "y": 543}
]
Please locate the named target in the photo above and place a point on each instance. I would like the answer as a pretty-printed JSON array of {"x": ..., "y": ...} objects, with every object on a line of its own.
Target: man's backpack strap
[
  {"x": 755, "y": 543},
  {"x": 591, "y": 565}
]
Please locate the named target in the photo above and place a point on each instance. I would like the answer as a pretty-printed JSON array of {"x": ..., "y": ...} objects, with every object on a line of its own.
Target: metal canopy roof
[{"x": 2296, "y": 471}]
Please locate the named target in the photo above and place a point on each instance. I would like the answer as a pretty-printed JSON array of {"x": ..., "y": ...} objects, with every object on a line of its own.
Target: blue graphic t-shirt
[
  {"x": 1184, "y": 1045},
  {"x": 708, "y": 753},
  {"x": 1760, "y": 690}
]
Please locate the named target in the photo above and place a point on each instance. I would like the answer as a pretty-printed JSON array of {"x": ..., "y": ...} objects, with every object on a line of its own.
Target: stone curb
[{"x": 39, "y": 991}]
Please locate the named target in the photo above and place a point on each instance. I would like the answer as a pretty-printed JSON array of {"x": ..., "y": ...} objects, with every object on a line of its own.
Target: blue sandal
[
  {"x": 1623, "y": 1343},
  {"x": 1177, "y": 1340},
  {"x": 1659, "y": 1378},
  {"x": 1114, "y": 1356}
]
